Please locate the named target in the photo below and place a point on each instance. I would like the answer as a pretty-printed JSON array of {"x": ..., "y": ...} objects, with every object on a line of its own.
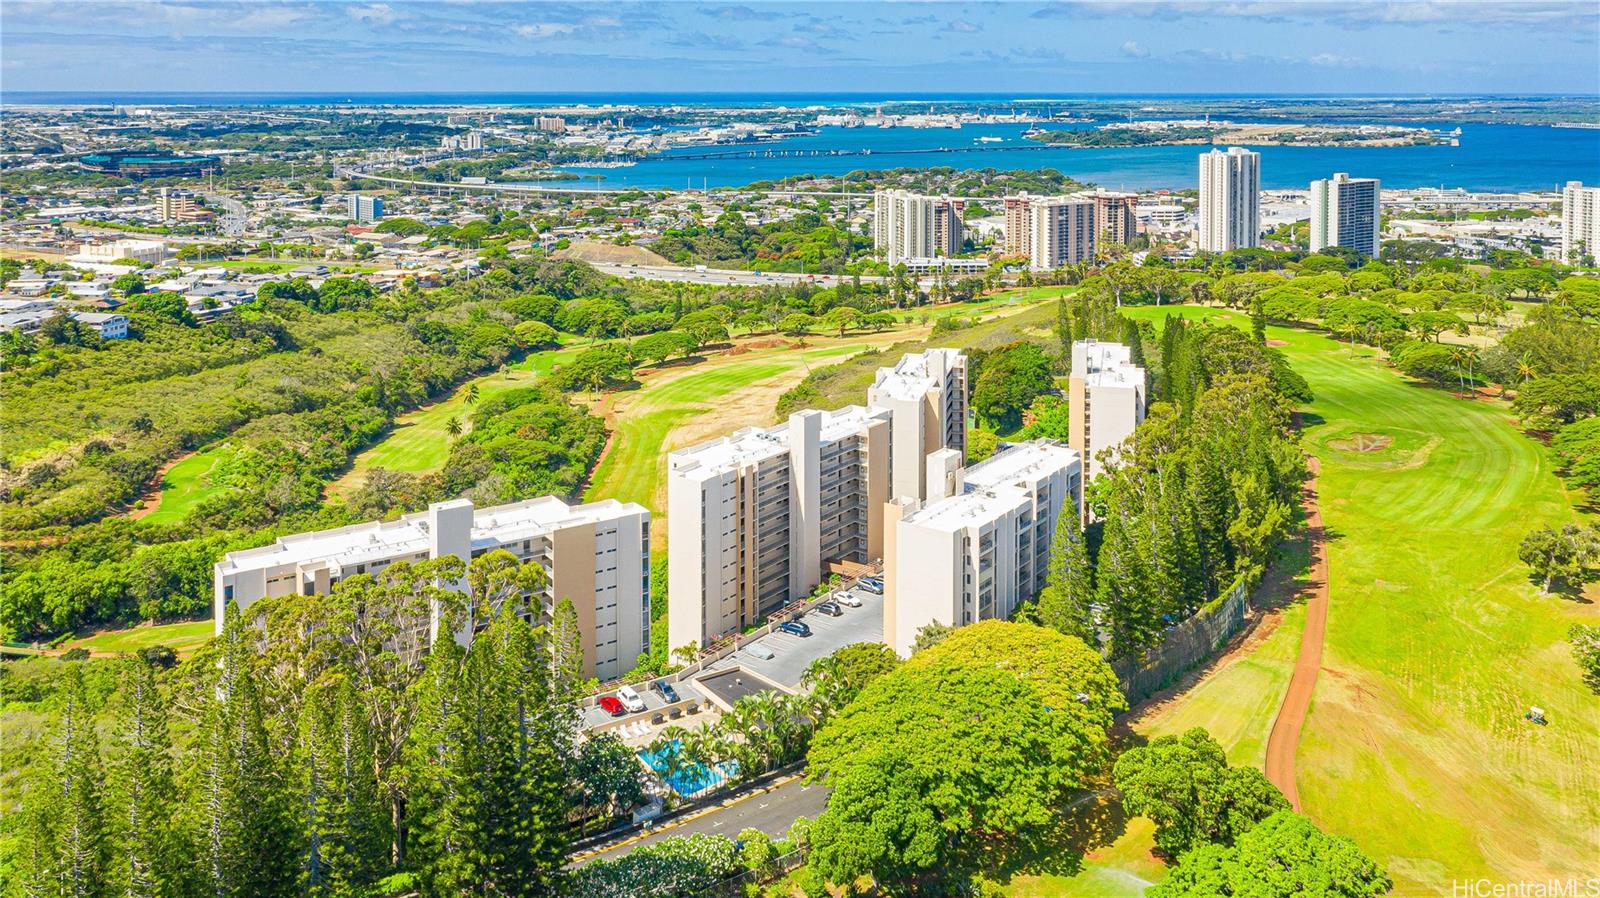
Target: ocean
[{"x": 1490, "y": 157}]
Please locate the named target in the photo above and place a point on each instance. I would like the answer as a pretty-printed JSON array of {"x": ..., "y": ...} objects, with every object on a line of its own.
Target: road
[
  {"x": 723, "y": 277},
  {"x": 234, "y": 220},
  {"x": 771, "y": 812}
]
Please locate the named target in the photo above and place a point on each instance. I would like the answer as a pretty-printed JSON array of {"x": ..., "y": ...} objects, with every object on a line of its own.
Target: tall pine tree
[
  {"x": 246, "y": 836},
  {"x": 151, "y": 861},
  {"x": 1065, "y": 603},
  {"x": 65, "y": 849},
  {"x": 346, "y": 839}
]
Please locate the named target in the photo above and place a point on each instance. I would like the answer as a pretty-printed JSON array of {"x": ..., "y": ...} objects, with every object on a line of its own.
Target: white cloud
[
  {"x": 1132, "y": 48},
  {"x": 962, "y": 26},
  {"x": 374, "y": 13},
  {"x": 538, "y": 30}
]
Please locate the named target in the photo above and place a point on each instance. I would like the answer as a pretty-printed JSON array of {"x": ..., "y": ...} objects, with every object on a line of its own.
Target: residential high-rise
[
  {"x": 1105, "y": 400},
  {"x": 947, "y": 227},
  {"x": 979, "y": 545},
  {"x": 1345, "y": 212},
  {"x": 927, "y": 394},
  {"x": 1230, "y": 199},
  {"x": 1062, "y": 232},
  {"x": 1580, "y": 223},
  {"x": 365, "y": 208},
  {"x": 903, "y": 225},
  {"x": 1116, "y": 216},
  {"x": 177, "y": 205},
  {"x": 597, "y": 555},
  {"x": 1019, "y": 225},
  {"x": 754, "y": 518}
]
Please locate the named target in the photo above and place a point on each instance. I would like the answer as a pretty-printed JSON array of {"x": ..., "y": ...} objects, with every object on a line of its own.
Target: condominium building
[
  {"x": 903, "y": 225},
  {"x": 179, "y": 205},
  {"x": 1062, "y": 232},
  {"x": 947, "y": 232},
  {"x": 1580, "y": 223},
  {"x": 1230, "y": 199},
  {"x": 979, "y": 544},
  {"x": 550, "y": 123},
  {"x": 1105, "y": 400},
  {"x": 927, "y": 394},
  {"x": 1116, "y": 215},
  {"x": 597, "y": 555},
  {"x": 1345, "y": 212},
  {"x": 365, "y": 208},
  {"x": 753, "y": 519},
  {"x": 1019, "y": 225}
]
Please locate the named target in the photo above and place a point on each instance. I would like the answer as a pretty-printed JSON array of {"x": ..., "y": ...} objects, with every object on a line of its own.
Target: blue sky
[{"x": 1024, "y": 48}]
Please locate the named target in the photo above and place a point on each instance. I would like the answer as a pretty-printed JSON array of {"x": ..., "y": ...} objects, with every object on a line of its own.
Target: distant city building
[
  {"x": 947, "y": 231},
  {"x": 151, "y": 251},
  {"x": 1580, "y": 223},
  {"x": 365, "y": 208},
  {"x": 978, "y": 545},
  {"x": 597, "y": 555},
  {"x": 550, "y": 123},
  {"x": 1164, "y": 215},
  {"x": 136, "y": 164},
  {"x": 1230, "y": 199},
  {"x": 179, "y": 205},
  {"x": 903, "y": 225},
  {"x": 1019, "y": 225},
  {"x": 468, "y": 142},
  {"x": 1062, "y": 232},
  {"x": 1345, "y": 212},
  {"x": 1105, "y": 400},
  {"x": 1116, "y": 216}
]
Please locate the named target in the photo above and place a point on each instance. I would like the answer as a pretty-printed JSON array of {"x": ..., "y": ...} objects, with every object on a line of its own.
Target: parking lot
[{"x": 793, "y": 654}]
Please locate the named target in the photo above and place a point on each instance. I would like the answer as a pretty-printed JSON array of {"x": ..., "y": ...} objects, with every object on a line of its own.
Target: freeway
[
  {"x": 722, "y": 276},
  {"x": 359, "y": 172},
  {"x": 234, "y": 220},
  {"x": 772, "y": 812}
]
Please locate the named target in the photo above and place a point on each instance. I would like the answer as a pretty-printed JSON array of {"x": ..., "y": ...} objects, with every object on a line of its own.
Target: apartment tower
[
  {"x": 1116, "y": 216},
  {"x": 1580, "y": 223},
  {"x": 1062, "y": 232},
  {"x": 1105, "y": 400},
  {"x": 903, "y": 225},
  {"x": 1230, "y": 199},
  {"x": 1019, "y": 225},
  {"x": 926, "y": 393},
  {"x": 597, "y": 555},
  {"x": 1345, "y": 212}
]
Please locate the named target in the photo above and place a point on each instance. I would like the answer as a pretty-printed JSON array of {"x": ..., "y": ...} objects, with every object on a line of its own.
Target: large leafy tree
[
  {"x": 1284, "y": 856},
  {"x": 1185, "y": 785},
  {"x": 960, "y": 755}
]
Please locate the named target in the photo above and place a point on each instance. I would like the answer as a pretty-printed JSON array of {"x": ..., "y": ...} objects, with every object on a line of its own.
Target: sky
[{"x": 1034, "y": 48}]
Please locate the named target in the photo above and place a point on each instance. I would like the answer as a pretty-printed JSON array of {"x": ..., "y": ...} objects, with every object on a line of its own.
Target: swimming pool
[{"x": 691, "y": 779}]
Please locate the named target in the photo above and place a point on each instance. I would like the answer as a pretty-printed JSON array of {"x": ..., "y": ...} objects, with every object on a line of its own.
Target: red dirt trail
[{"x": 1285, "y": 738}]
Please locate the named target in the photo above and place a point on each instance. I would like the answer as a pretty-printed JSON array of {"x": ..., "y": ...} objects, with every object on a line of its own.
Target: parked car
[
  {"x": 633, "y": 700},
  {"x": 665, "y": 690},
  {"x": 612, "y": 705},
  {"x": 830, "y": 609},
  {"x": 795, "y": 627},
  {"x": 849, "y": 599},
  {"x": 871, "y": 584}
]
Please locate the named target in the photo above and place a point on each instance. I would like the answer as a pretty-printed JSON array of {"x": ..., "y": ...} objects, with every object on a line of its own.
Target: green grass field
[
  {"x": 188, "y": 483},
  {"x": 183, "y": 637},
  {"x": 1437, "y": 642}
]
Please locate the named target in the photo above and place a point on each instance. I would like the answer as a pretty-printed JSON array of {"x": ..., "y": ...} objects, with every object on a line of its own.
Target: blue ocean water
[{"x": 1490, "y": 157}]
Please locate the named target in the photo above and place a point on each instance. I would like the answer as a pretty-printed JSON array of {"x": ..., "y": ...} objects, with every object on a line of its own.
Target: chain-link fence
[
  {"x": 1186, "y": 645},
  {"x": 733, "y": 886}
]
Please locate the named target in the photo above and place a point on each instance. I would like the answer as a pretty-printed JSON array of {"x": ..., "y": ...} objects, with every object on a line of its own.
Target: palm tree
[
  {"x": 1458, "y": 357},
  {"x": 453, "y": 426},
  {"x": 1525, "y": 370},
  {"x": 472, "y": 393}
]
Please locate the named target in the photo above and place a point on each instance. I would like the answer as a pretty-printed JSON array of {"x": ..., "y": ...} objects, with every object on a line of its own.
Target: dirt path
[{"x": 1285, "y": 737}]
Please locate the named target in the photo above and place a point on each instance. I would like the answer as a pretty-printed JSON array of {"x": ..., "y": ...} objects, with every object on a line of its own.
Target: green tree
[
  {"x": 607, "y": 775},
  {"x": 246, "y": 830},
  {"x": 1284, "y": 856},
  {"x": 1010, "y": 379},
  {"x": 151, "y": 859},
  {"x": 1024, "y": 709},
  {"x": 345, "y": 843},
  {"x": 66, "y": 849},
  {"x": 1185, "y": 785},
  {"x": 929, "y": 635},
  {"x": 1559, "y": 555},
  {"x": 1065, "y": 603},
  {"x": 1586, "y": 651}
]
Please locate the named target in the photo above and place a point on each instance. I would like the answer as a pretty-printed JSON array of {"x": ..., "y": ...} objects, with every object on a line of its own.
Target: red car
[{"x": 612, "y": 705}]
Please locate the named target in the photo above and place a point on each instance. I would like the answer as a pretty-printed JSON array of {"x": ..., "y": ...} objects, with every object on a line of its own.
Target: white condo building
[
  {"x": 362, "y": 207},
  {"x": 753, "y": 518},
  {"x": 979, "y": 544},
  {"x": 1105, "y": 400},
  {"x": 902, "y": 225},
  {"x": 1230, "y": 199},
  {"x": 927, "y": 394},
  {"x": 1580, "y": 222},
  {"x": 1345, "y": 212},
  {"x": 597, "y": 555},
  {"x": 757, "y": 519},
  {"x": 1061, "y": 232}
]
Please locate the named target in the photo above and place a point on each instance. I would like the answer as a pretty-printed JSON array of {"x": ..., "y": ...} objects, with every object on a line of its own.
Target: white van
[{"x": 631, "y": 699}]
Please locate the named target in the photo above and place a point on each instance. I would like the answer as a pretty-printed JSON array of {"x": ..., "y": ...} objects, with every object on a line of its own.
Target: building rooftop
[
  {"x": 1105, "y": 364},
  {"x": 408, "y": 535},
  {"x": 914, "y": 375},
  {"x": 752, "y": 445},
  {"x": 996, "y": 485},
  {"x": 1016, "y": 462}
]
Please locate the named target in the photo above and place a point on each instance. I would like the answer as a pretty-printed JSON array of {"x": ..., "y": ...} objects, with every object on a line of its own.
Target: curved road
[{"x": 1285, "y": 737}]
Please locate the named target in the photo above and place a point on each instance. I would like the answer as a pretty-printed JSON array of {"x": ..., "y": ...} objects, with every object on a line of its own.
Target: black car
[
  {"x": 665, "y": 690},
  {"x": 830, "y": 609}
]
